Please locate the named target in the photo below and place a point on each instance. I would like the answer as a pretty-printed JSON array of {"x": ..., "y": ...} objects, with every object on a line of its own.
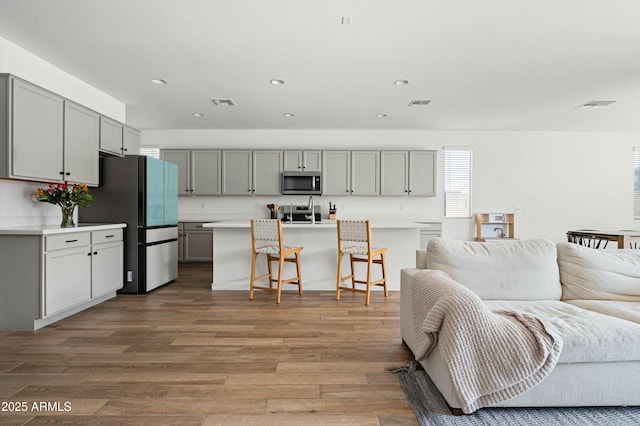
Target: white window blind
[
  {"x": 636, "y": 182},
  {"x": 150, "y": 151},
  {"x": 457, "y": 182}
]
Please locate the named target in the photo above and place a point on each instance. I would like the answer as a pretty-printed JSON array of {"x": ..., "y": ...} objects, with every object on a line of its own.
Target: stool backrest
[
  {"x": 269, "y": 230},
  {"x": 354, "y": 231}
]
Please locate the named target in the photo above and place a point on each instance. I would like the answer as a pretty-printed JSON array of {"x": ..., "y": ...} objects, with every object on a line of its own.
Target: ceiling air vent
[
  {"x": 419, "y": 102},
  {"x": 592, "y": 104},
  {"x": 223, "y": 101}
]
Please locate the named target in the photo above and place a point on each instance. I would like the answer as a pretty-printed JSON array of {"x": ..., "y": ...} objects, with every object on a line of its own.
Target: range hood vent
[
  {"x": 223, "y": 101},
  {"x": 420, "y": 102}
]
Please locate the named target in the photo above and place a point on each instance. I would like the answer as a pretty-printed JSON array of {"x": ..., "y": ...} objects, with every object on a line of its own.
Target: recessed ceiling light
[
  {"x": 288, "y": 114},
  {"x": 198, "y": 114},
  {"x": 401, "y": 82},
  {"x": 381, "y": 115},
  {"x": 277, "y": 82},
  {"x": 159, "y": 81}
]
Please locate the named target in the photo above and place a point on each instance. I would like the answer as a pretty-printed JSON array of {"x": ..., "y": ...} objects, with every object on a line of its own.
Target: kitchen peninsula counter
[{"x": 232, "y": 251}]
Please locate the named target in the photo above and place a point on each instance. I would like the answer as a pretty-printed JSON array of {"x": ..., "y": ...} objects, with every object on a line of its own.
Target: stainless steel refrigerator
[{"x": 143, "y": 192}]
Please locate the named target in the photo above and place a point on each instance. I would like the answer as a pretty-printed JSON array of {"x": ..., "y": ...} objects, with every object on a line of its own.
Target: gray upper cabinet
[
  {"x": 81, "y": 141},
  {"x": 181, "y": 158},
  {"x": 267, "y": 171},
  {"x": 302, "y": 161},
  {"x": 236, "y": 172},
  {"x": 131, "y": 141},
  {"x": 198, "y": 170},
  {"x": 365, "y": 173},
  {"x": 422, "y": 173},
  {"x": 33, "y": 136},
  {"x": 336, "y": 173},
  {"x": 111, "y": 136},
  {"x": 394, "y": 173}
]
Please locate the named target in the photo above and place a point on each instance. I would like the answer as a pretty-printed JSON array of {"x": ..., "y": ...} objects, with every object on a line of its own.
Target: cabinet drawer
[
  {"x": 195, "y": 226},
  {"x": 106, "y": 236},
  {"x": 63, "y": 241}
]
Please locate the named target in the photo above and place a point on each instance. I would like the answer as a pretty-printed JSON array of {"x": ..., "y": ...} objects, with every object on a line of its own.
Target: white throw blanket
[{"x": 491, "y": 356}]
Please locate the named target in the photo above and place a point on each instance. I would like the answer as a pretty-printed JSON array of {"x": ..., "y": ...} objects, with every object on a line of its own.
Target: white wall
[
  {"x": 17, "y": 207},
  {"x": 559, "y": 180}
]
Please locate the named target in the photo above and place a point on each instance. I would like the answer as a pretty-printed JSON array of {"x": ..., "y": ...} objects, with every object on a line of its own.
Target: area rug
[{"x": 431, "y": 409}]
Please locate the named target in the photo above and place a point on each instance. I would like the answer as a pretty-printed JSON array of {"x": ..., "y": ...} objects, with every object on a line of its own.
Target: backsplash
[{"x": 19, "y": 208}]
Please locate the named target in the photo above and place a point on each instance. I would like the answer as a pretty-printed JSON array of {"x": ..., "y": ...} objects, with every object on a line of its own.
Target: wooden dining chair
[
  {"x": 266, "y": 238},
  {"x": 354, "y": 239}
]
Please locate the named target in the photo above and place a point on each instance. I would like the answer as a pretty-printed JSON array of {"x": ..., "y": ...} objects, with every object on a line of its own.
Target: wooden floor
[{"x": 185, "y": 355}]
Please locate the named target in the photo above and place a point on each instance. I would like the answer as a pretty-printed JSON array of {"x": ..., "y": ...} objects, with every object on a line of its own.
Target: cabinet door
[
  {"x": 198, "y": 246},
  {"x": 336, "y": 173},
  {"x": 111, "y": 136},
  {"x": 312, "y": 161},
  {"x": 292, "y": 161},
  {"x": 67, "y": 279},
  {"x": 205, "y": 172},
  {"x": 236, "y": 172},
  {"x": 107, "y": 266},
  {"x": 422, "y": 173},
  {"x": 181, "y": 158},
  {"x": 394, "y": 167},
  {"x": 365, "y": 173},
  {"x": 267, "y": 172},
  {"x": 37, "y": 127},
  {"x": 81, "y": 144},
  {"x": 131, "y": 141}
]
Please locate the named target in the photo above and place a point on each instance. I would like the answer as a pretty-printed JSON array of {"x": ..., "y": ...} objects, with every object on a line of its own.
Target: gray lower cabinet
[
  {"x": 67, "y": 273},
  {"x": 195, "y": 243}
]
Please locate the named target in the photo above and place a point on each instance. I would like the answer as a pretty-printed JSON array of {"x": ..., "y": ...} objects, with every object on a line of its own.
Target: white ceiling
[{"x": 486, "y": 65}]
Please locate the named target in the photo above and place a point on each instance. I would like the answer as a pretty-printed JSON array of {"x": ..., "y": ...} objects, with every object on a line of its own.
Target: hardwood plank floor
[{"x": 185, "y": 355}]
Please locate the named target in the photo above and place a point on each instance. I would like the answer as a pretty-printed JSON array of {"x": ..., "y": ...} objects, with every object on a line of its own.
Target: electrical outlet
[
  {"x": 203, "y": 206},
  {"x": 518, "y": 209},
  {"x": 343, "y": 206},
  {"x": 401, "y": 206}
]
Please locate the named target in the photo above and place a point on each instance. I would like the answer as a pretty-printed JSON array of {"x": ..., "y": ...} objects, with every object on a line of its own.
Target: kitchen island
[{"x": 232, "y": 252}]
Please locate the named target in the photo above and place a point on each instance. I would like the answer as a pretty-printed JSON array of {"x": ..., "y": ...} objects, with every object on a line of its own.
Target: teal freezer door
[
  {"x": 155, "y": 192},
  {"x": 170, "y": 193}
]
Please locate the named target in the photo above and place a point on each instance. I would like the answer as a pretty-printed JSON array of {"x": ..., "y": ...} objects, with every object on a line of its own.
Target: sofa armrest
[{"x": 407, "y": 328}]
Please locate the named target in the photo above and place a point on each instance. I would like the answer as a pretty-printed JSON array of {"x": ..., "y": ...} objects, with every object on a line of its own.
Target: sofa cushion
[
  {"x": 509, "y": 270},
  {"x": 586, "y": 273},
  {"x": 629, "y": 311},
  {"x": 586, "y": 336}
]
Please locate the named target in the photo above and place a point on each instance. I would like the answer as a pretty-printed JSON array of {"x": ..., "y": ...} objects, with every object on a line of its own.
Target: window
[
  {"x": 636, "y": 182},
  {"x": 150, "y": 151},
  {"x": 457, "y": 182}
]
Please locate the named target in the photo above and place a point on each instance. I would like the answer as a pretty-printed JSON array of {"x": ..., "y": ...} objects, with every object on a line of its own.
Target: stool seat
[
  {"x": 269, "y": 231},
  {"x": 359, "y": 231}
]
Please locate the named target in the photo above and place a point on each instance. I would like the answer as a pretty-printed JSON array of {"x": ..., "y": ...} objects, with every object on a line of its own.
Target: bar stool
[
  {"x": 270, "y": 231},
  {"x": 359, "y": 231}
]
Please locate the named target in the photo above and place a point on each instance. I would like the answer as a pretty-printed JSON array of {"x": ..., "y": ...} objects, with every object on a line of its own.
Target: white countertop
[
  {"x": 56, "y": 229},
  {"x": 331, "y": 224}
]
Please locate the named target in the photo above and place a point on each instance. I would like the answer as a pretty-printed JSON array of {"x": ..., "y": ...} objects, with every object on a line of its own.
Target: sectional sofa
[{"x": 589, "y": 298}]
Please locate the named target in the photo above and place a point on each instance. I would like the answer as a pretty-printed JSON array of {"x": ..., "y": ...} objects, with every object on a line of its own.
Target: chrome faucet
[
  {"x": 311, "y": 206},
  {"x": 500, "y": 232}
]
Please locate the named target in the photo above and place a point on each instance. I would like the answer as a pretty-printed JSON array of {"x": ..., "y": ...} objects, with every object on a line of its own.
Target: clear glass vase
[{"x": 67, "y": 216}]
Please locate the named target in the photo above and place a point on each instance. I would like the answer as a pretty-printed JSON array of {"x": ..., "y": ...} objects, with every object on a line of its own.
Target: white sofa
[{"x": 591, "y": 297}]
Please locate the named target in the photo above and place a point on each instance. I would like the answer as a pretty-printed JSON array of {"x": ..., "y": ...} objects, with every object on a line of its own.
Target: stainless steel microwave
[{"x": 301, "y": 183}]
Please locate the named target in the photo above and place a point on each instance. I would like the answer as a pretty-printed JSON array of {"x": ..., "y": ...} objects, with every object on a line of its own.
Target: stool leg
[
  {"x": 353, "y": 272},
  {"x": 338, "y": 280},
  {"x": 254, "y": 255},
  {"x": 366, "y": 302},
  {"x": 269, "y": 260},
  {"x": 280, "y": 266},
  {"x": 384, "y": 274},
  {"x": 298, "y": 272}
]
